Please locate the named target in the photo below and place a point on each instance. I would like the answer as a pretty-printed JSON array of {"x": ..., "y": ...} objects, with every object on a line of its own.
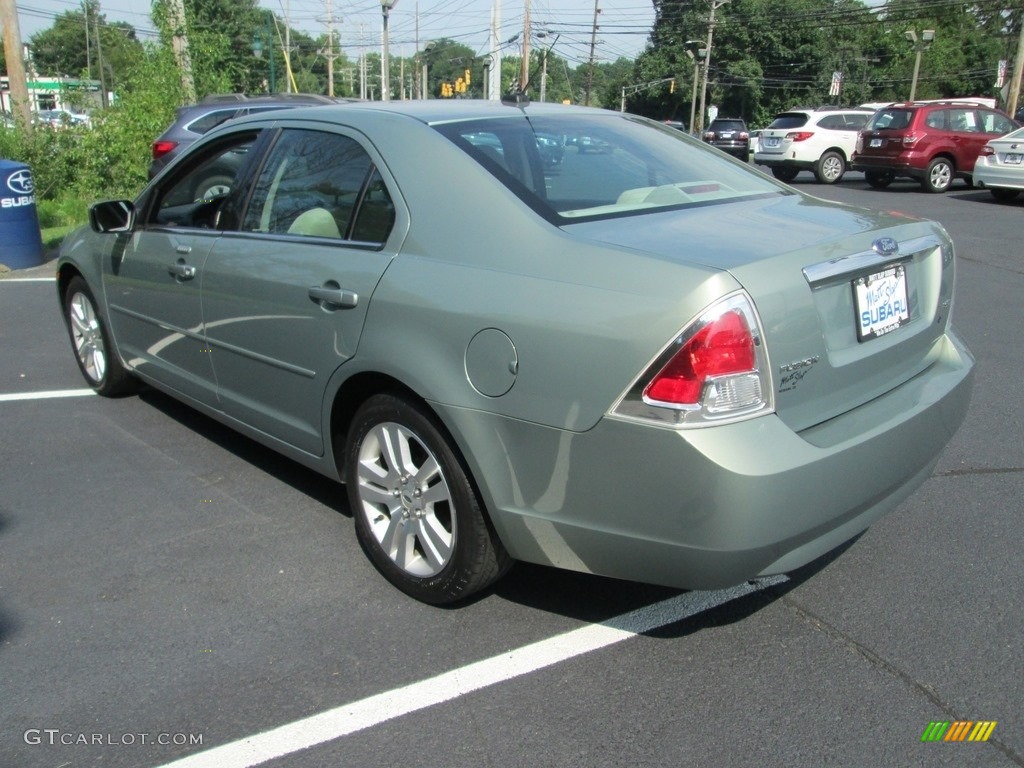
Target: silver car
[{"x": 649, "y": 362}]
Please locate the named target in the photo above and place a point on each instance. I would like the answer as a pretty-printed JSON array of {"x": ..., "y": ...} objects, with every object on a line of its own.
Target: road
[{"x": 168, "y": 588}]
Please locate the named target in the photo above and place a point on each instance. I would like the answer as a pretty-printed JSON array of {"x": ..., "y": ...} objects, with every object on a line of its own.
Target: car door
[
  {"x": 285, "y": 296},
  {"x": 154, "y": 283}
]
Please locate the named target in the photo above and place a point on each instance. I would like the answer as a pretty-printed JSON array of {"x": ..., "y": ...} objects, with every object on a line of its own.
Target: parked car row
[{"x": 930, "y": 142}]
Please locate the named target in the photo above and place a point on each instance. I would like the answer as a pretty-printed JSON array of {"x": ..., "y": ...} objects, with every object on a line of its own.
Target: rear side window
[
  {"x": 317, "y": 184},
  {"x": 211, "y": 120},
  {"x": 789, "y": 120}
]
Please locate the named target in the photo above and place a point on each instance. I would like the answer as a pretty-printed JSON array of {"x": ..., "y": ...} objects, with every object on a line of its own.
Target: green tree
[{"x": 83, "y": 44}]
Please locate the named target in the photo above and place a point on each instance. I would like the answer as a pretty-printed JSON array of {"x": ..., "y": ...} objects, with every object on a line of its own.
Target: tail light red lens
[
  {"x": 799, "y": 135},
  {"x": 715, "y": 370},
  {"x": 161, "y": 148},
  {"x": 912, "y": 138},
  {"x": 723, "y": 347},
  {"x": 987, "y": 151}
]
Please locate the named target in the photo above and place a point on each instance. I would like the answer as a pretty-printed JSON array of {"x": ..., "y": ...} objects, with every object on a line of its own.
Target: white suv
[{"x": 819, "y": 140}]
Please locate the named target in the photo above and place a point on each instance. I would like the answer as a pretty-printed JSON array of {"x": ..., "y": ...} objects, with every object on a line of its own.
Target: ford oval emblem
[
  {"x": 885, "y": 246},
  {"x": 20, "y": 182}
]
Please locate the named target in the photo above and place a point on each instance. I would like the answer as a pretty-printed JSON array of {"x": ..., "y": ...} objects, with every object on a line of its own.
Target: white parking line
[
  {"x": 46, "y": 395},
  {"x": 28, "y": 280},
  {"x": 350, "y": 718}
]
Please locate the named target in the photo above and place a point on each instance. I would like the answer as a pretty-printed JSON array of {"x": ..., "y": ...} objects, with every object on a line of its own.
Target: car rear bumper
[
  {"x": 998, "y": 176},
  {"x": 781, "y": 161},
  {"x": 895, "y": 166},
  {"x": 708, "y": 508}
]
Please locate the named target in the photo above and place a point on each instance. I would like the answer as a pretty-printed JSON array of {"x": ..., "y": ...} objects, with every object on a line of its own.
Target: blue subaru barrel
[{"x": 21, "y": 244}]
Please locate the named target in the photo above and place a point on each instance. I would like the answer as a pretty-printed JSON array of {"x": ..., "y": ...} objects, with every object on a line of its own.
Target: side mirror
[{"x": 112, "y": 216}]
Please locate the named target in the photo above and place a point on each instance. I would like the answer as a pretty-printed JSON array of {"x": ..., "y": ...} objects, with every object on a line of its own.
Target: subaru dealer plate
[
  {"x": 876, "y": 143},
  {"x": 1013, "y": 158},
  {"x": 771, "y": 141},
  {"x": 881, "y": 302}
]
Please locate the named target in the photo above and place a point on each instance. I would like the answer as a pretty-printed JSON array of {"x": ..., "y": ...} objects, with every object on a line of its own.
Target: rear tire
[
  {"x": 784, "y": 174},
  {"x": 417, "y": 514},
  {"x": 96, "y": 357},
  {"x": 878, "y": 179},
  {"x": 939, "y": 176},
  {"x": 830, "y": 168}
]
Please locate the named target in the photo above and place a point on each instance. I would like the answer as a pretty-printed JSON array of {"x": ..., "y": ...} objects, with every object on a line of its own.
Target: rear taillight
[
  {"x": 799, "y": 135},
  {"x": 912, "y": 138},
  {"x": 709, "y": 136},
  {"x": 161, "y": 148},
  {"x": 987, "y": 151},
  {"x": 744, "y": 135},
  {"x": 716, "y": 369}
]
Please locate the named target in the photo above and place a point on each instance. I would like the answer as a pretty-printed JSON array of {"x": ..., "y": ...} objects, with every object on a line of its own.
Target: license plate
[
  {"x": 881, "y": 302},
  {"x": 771, "y": 141},
  {"x": 875, "y": 143},
  {"x": 1012, "y": 158}
]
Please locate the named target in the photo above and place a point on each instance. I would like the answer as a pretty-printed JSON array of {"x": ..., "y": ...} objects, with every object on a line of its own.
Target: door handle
[
  {"x": 181, "y": 271},
  {"x": 333, "y": 298}
]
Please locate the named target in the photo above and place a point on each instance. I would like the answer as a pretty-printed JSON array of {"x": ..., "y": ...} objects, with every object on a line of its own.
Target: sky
[{"x": 623, "y": 25}]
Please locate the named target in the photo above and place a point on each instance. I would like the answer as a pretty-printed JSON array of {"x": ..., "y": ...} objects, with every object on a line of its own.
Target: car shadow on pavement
[
  {"x": 596, "y": 599},
  {"x": 322, "y": 489}
]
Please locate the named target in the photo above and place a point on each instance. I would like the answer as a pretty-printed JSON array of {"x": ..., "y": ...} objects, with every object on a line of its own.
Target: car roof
[{"x": 436, "y": 111}]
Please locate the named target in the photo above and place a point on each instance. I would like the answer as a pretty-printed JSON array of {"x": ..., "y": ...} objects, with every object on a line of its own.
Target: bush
[{"x": 73, "y": 165}]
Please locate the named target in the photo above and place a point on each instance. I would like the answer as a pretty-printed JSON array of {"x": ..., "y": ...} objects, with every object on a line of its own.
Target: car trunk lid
[{"x": 807, "y": 267}]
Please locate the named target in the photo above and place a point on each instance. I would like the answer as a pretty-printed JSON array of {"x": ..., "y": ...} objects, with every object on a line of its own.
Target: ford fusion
[{"x": 647, "y": 362}]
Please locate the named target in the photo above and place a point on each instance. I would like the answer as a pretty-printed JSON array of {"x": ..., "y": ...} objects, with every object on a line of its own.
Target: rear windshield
[
  {"x": 568, "y": 167},
  {"x": 789, "y": 120},
  {"x": 728, "y": 125},
  {"x": 890, "y": 119}
]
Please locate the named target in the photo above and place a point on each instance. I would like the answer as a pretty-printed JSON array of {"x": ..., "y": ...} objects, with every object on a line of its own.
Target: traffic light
[
  {"x": 672, "y": 85},
  {"x": 465, "y": 76},
  {"x": 460, "y": 85}
]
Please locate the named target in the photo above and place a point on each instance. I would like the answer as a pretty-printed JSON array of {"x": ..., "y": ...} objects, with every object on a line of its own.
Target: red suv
[{"x": 933, "y": 142}]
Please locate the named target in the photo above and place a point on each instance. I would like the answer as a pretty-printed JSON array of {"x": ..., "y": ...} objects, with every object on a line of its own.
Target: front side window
[
  {"x": 195, "y": 194},
  {"x": 571, "y": 166},
  {"x": 317, "y": 184}
]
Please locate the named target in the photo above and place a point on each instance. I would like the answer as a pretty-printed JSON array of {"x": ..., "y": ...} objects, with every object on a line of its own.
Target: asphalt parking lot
[{"x": 170, "y": 591}]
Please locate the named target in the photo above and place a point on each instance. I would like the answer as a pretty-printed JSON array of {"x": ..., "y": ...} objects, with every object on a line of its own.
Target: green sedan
[{"x": 646, "y": 360}]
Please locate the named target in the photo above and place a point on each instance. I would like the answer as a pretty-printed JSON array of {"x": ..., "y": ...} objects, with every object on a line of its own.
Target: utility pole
[
  {"x": 1018, "y": 70},
  {"x": 715, "y": 4},
  {"x": 21, "y": 107},
  {"x": 179, "y": 44},
  {"x": 330, "y": 55},
  {"x": 590, "y": 67},
  {"x": 524, "y": 71},
  {"x": 99, "y": 56}
]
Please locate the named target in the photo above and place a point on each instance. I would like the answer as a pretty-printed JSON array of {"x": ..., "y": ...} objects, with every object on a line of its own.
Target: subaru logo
[
  {"x": 885, "y": 246},
  {"x": 20, "y": 182}
]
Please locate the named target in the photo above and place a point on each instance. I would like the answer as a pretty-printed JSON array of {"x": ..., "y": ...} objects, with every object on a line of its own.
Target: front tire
[
  {"x": 97, "y": 359},
  {"x": 417, "y": 515},
  {"x": 830, "y": 168},
  {"x": 939, "y": 176}
]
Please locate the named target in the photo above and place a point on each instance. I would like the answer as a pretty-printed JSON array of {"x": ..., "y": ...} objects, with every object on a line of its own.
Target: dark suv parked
[
  {"x": 196, "y": 119},
  {"x": 932, "y": 142},
  {"x": 730, "y": 135}
]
